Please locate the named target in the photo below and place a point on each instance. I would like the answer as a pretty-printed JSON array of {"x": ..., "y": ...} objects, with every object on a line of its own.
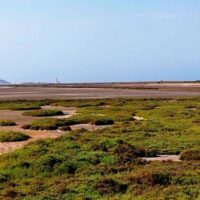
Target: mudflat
[{"x": 108, "y": 91}]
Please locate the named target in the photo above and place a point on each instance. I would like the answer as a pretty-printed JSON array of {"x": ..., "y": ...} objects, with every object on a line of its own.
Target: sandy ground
[
  {"x": 37, "y": 93},
  {"x": 21, "y": 120},
  {"x": 6, "y": 147}
]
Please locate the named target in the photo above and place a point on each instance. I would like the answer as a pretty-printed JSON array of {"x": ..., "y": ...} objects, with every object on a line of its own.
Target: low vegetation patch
[
  {"x": 126, "y": 153},
  {"x": 43, "y": 113},
  {"x": 50, "y": 124},
  {"x": 193, "y": 154},
  {"x": 12, "y": 136},
  {"x": 110, "y": 186},
  {"x": 54, "y": 124},
  {"x": 7, "y": 123},
  {"x": 152, "y": 178},
  {"x": 20, "y": 105},
  {"x": 47, "y": 163},
  {"x": 46, "y": 124}
]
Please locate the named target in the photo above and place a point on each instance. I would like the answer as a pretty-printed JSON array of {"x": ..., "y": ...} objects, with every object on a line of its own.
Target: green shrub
[
  {"x": 193, "y": 154},
  {"x": 12, "y": 136},
  {"x": 43, "y": 113},
  {"x": 7, "y": 123}
]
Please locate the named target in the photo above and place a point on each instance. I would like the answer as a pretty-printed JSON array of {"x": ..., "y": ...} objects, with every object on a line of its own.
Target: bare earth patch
[
  {"x": 21, "y": 120},
  {"x": 6, "y": 147},
  {"x": 68, "y": 111},
  {"x": 174, "y": 158},
  {"x": 89, "y": 127},
  {"x": 137, "y": 118}
]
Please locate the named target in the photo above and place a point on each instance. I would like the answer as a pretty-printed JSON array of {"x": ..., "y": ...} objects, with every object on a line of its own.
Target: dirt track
[{"x": 12, "y": 93}]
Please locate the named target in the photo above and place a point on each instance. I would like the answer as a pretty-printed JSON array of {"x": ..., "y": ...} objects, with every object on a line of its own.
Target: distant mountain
[{"x": 3, "y": 82}]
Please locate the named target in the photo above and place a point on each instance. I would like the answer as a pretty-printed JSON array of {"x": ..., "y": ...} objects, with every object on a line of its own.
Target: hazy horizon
[
  {"x": 99, "y": 41},
  {"x": 102, "y": 82}
]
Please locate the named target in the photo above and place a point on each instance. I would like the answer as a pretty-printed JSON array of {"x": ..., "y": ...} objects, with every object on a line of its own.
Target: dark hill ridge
[{"x": 3, "y": 82}]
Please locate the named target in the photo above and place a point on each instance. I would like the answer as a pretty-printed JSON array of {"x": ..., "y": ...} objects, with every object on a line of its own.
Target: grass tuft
[
  {"x": 12, "y": 136},
  {"x": 7, "y": 123},
  {"x": 43, "y": 113}
]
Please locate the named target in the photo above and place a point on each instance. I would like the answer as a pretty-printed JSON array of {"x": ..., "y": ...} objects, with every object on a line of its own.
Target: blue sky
[{"x": 99, "y": 40}]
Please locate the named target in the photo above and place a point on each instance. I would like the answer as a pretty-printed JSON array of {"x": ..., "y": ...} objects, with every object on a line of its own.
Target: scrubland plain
[{"x": 118, "y": 159}]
